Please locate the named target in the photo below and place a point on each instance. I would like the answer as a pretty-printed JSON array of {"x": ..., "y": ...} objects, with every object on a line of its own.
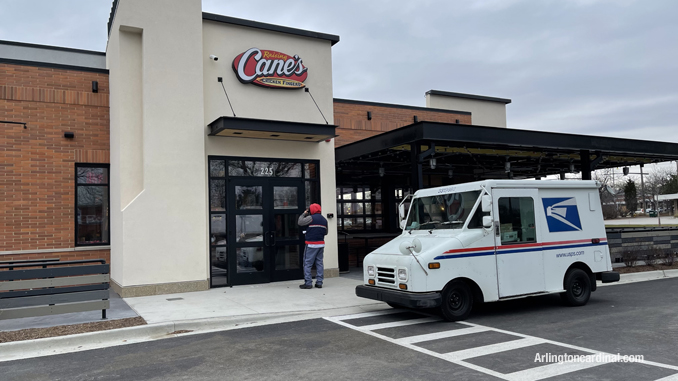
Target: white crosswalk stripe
[
  {"x": 493, "y": 348},
  {"x": 460, "y": 357}
]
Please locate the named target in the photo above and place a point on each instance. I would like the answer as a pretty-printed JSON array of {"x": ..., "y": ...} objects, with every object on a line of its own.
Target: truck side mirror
[
  {"x": 486, "y": 201},
  {"x": 487, "y": 222}
]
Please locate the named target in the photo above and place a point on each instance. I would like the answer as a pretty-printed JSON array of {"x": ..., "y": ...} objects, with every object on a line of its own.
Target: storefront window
[
  {"x": 92, "y": 205},
  {"x": 359, "y": 208}
]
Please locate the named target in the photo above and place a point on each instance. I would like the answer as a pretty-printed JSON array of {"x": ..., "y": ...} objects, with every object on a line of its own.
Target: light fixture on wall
[
  {"x": 507, "y": 166},
  {"x": 571, "y": 167},
  {"x": 95, "y": 86},
  {"x": 432, "y": 163},
  {"x": 369, "y": 115},
  {"x": 382, "y": 171},
  {"x": 69, "y": 135},
  {"x": 625, "y": 170}
]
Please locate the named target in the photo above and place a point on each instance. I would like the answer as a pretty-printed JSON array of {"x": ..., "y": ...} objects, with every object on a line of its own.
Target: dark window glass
[
  {"x": 310, "y": 171},
  {"x": 92, "y": 175},
  {"x": 218, "y": 229},
  {"x": 248, "y": 197},
  {"x": 312, "y": 193},
  {"x": 92, "y": 206},
  {"x": 264, "y": 168},
  {"x": 286, "y": 226},
  {"x": 249, "y": 228},
  {"x": 217, "y": 168},
  {"x": 250, "y": 259},
  {"x": 516, "y": 219},
  {"x": 287, "y": 257},
  {"x": 285, "y": 198},
  {"x": 218, "y": 195}
]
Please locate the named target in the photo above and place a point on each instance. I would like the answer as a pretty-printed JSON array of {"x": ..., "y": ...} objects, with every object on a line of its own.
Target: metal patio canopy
[{"x": 465, "y": 153}]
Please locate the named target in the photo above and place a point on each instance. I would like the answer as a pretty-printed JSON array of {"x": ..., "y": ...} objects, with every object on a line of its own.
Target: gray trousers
[{"x": 313, "y": 255}]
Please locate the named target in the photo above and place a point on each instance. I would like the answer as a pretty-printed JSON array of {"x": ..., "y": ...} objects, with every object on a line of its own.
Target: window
[
  {"x": 92, "y": 224},
  {"x": 359, "y": 208},
  {"x": 446, "y": 211},
  {"x": 516, "y": 220}
]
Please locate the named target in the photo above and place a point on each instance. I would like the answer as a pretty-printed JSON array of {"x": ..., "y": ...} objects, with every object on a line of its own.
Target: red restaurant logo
[{"x": 269, "y": 68}]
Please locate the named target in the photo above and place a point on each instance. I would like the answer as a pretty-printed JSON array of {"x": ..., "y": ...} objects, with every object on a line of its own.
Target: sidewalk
[{"x": 195, "y": 312}]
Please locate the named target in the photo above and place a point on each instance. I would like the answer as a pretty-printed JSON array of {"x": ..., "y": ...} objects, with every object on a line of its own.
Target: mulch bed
[
  {"x": 63, "y": 330},
  {"x": 637, "y": 269}
]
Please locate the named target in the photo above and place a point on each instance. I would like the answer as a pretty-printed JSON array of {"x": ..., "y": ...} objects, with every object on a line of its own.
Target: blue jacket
[{"x": 316, "y": 230}]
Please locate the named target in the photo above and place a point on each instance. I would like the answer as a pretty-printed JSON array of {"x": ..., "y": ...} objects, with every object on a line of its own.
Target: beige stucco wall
[
  {"x": 249, "y": 101},
  {"x": 483, "y": 113},
  {"x": 158, "y": 207}
]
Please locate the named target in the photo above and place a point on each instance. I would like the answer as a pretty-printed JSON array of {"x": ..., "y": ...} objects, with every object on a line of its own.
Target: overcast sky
[{"x": 604, "y": 68}]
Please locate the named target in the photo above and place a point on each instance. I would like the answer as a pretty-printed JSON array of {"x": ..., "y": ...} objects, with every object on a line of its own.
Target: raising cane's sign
[{"x": 269, "y": 68}]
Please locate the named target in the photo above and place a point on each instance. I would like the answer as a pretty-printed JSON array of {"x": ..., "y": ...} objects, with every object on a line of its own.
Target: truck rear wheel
[
  {"x": 577, "y": 287},
  {"x": 457, "y": 301}
]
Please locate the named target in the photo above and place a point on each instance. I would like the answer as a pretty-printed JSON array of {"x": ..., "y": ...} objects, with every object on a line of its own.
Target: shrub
[
  {"x": 630, "y": 258},
  {"x": 652, "y": 256},
  {"x": 669, "y": 257}
]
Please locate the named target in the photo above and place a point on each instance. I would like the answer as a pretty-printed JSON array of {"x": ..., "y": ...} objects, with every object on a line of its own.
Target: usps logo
[{"x": 562, "y": 214}]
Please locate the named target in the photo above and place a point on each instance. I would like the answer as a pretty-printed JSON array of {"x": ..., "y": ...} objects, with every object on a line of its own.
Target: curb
[
  {"x": 19, "y": 350},
  {"x": 643, "y": 276}
]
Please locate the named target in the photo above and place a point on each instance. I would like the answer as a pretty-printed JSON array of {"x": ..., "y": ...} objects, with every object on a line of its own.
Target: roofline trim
[
  {"x": 391, "y": 105},
  {"x": 469, "y": 96},
  {"x": 53, "y": 66},
  {"x": 50, "y": 47},
  {"x": 271, "y": 27}
]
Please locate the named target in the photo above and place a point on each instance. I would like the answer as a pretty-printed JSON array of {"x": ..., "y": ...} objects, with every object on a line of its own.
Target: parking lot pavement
[{"x": 502, "y": 354}]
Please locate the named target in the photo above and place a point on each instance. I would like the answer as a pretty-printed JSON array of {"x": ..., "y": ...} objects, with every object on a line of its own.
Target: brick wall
[
  {"x": 37, "y": 164},
  {"x": 351, "y": 119}
]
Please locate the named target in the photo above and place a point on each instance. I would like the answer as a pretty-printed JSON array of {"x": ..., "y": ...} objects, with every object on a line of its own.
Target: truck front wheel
[
  {"x": 457, "y": 301},
  {"x": 577, "y": 287}
]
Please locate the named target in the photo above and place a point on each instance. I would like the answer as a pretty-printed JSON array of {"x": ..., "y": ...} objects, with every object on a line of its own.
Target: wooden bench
[{"x": 42, "y": 288}]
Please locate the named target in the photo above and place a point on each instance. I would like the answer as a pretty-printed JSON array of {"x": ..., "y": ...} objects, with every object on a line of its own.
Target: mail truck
[{"x": 492, "y": 240}]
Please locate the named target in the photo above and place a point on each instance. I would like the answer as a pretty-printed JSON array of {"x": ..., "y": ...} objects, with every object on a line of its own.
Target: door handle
[
  {"x": 272, "y": 239},
  {"x": 266, "y": 243}
]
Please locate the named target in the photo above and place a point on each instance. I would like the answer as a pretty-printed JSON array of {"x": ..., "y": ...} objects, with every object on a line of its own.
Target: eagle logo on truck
[
  {"x": 268, "y": 68},
  {"x": 562, "y": 214}
]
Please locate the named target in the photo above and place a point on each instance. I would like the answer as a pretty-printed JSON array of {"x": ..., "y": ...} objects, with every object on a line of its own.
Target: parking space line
[
  {"x": 673, "y": 377},
  {"x": 493, "y": 348},
  {"x": 393, "y": 324},
  {"x": 417, "y": 349},
  {"x": 550, "y": 370},
  {"x": 441, "y": 335},
  {"x": 458, "y": 357},
  {"x": 367, "y": 314}
]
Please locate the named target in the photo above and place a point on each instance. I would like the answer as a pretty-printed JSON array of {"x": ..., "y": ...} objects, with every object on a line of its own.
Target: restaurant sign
[{"x": 269, "y": 68}]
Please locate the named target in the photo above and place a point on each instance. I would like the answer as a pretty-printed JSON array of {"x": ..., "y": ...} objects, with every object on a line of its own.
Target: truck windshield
[{"x": 446, "y": 211}]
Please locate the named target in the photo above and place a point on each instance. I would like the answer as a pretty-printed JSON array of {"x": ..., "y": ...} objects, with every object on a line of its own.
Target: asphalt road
[{"x": 499, "y": 341}]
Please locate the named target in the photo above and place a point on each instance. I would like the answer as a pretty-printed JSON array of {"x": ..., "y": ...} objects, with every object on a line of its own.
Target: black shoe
[
  {"x": 318, "y": 285},
  {"x": 305, "y": 286}
]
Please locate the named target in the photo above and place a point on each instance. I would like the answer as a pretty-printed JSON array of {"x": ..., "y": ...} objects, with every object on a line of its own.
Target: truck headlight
[
  {"x": 370, "y": 271},
  {"x": 402, "y": 275}
]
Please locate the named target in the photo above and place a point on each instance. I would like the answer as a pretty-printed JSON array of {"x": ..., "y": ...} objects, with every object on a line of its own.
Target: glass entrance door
[
  {"x": 268, "y": 244},
  {"x": 254, "y": 205}
]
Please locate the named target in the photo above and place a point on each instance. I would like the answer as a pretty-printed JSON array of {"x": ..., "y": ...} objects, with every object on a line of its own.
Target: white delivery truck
[{"x": 492, "y": 240}]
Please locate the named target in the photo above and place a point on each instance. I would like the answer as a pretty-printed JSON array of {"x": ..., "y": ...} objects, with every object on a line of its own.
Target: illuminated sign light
[{"x": 269, "y": 68}]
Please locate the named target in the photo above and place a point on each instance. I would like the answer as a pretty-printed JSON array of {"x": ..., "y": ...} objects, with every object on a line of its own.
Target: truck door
[{"x": 518, "y": 244}]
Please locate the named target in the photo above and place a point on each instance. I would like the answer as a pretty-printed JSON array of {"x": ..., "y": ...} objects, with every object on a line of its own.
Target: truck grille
[{"x": 386, "y": 276}]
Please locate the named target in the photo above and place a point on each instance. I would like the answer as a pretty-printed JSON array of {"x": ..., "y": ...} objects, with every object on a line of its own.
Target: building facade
[{"x": 183, "y": 155}]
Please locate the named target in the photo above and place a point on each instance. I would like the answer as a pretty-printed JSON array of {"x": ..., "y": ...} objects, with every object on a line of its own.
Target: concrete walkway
[{"x": 269, "y": 298}]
